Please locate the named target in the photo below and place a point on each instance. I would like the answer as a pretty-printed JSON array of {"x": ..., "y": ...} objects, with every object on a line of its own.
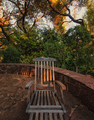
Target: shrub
[
  {"x": 26, "y": 59},
  {"x": 11, "y": 55}
]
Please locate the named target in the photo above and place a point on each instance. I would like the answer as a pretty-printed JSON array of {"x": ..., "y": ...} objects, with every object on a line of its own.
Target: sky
[{"x": 79, "y": 13}]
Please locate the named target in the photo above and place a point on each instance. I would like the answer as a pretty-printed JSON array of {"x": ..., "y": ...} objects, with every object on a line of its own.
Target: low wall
[
  {"x": 17, "y": 68},
  {"x": 81, "y": 86}
]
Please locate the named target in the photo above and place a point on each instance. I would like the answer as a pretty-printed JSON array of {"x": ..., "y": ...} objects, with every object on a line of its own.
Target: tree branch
[
  {"x": 37, "y": 19},
  {"x": 16, "y": 5},
  {"x": 23, "y": 18},
  {"x": 79, "y": 21}
]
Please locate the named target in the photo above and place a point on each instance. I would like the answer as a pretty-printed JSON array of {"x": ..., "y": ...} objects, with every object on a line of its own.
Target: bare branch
[
  {"x": 79, "y": 21},
  {"x": 37, "y": 19}
]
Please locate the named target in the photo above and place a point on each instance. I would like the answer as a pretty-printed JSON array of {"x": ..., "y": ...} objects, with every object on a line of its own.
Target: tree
[
  {"x": 30, "y": 12},
  {"x": 21, "y": 14},
  {"x": 61, "y": 8},
  {"x": 4, "y": 24},
  {"x": 79, "y": 49},
  {"x": 52, "y": 46},
  {"x": 89, "y": 16},
  {"x": 25, "y": 12},
  {"x": 28, "y": 44}
]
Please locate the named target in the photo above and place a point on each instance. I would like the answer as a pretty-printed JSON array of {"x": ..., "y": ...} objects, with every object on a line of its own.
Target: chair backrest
[{"x": 44, "y": 71}]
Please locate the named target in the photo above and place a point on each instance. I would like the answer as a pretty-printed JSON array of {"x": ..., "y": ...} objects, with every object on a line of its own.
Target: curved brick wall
[{"x": 81, "y": 86}]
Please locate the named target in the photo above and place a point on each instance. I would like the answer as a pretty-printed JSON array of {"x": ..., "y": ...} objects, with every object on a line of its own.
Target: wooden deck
[{"x": 45, "y": 105}]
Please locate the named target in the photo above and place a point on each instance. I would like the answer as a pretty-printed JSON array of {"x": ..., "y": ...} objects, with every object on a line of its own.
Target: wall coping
[{"x": 87, "y": 80}]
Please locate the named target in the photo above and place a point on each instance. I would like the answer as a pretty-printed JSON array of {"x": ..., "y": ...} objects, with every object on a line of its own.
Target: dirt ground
[
  {"x": 13, "y": 100},
  {"x": 13, "y": 97}
]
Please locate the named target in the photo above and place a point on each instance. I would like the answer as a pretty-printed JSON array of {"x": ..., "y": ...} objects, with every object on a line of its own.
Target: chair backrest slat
[
  {"x": 35, "y": 74},
  {"x": 44, "y": 71},
  {"x": 41, "y": 74},
  {"x": 38, "y": 70}
]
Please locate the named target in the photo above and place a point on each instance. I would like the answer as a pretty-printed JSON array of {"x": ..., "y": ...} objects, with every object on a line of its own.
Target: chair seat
[
  {"x": 44, "y": 97},
  {"x": 44, "y": 104}
]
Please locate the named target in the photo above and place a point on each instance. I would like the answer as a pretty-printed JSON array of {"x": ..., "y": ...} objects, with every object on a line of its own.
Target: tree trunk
[
  {"x": 77, "y": 68},
  {"x": 5, "y": 34}
]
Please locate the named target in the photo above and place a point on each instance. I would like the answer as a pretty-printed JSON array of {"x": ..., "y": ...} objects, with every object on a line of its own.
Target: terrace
[{"x": 78, "y": 98}]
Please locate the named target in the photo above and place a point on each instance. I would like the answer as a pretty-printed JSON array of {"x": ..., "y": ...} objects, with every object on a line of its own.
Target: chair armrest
[
  {"x": 29, "y": 85},
  {"x": 61, "y": 85}
]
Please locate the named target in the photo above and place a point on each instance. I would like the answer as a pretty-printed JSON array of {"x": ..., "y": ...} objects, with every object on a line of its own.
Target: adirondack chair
[{"x": 46, "y": 100}]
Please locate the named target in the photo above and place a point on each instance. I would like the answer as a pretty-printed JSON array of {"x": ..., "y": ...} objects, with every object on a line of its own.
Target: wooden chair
[{"x": 46, "y": 100}]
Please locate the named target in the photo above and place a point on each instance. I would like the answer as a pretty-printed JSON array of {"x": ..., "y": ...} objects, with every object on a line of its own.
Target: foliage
[
  {"x": 11, "y": 55},
  {"x": 89, "y": 16},
  {"x": 73, "y": 50},
  {"x": 79, "y": 49},
  {"x": 26, "y": 59},
  {"x": 52, "y": 45},
  {"x": 29, "y": 45}
]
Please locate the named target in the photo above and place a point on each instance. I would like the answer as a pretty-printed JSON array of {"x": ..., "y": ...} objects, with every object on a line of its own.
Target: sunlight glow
[{"x": 54, "y": 1}]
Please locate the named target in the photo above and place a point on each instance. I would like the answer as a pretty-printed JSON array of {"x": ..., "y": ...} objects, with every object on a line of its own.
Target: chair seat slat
[
  {"x": 31, "y": 116},
  {"x": 36, "y": 116},
  {"x": 38, "y": 99},
  {"x": 45, "y": 111},
  {"x": 61, "y": 116},
  {"x": 41, "y": 116},
  {"x": 35, "y": 98},
  {"x": 46, "y": 107},
  {"x": 50, "y": 116},
  {"x": 46, "y": 116},
  {"x": 48, "y": 99},
  {"x": 41, "y": 97},
  {"x": 45, "y": 98},
  {"x": 55, "y": 116}
]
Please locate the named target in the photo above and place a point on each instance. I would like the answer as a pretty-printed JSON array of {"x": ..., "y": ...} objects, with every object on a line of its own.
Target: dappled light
[{"x": 54, "y": 1}]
